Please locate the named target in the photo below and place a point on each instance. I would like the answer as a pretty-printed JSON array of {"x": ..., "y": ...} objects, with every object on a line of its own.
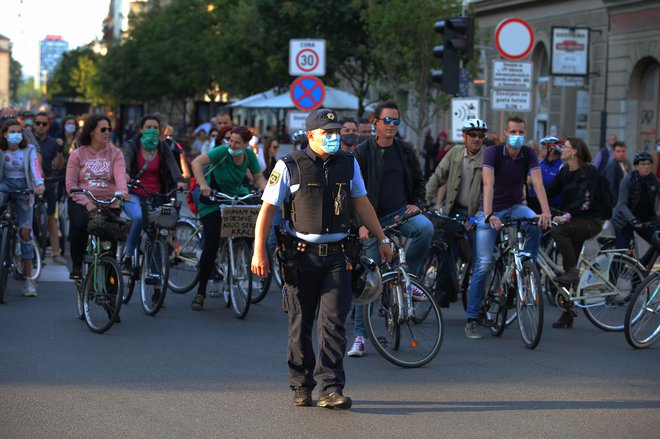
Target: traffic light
[{"x": 458, "y": 33}]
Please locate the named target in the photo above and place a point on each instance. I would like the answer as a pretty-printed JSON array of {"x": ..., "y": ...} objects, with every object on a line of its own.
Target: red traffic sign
[
  {"x": 514, "y": 38},
  {"x": 307, "y": 93}
]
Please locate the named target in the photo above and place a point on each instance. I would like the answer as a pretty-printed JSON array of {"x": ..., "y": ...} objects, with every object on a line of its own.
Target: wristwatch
[{"x": 385, "y": 241}]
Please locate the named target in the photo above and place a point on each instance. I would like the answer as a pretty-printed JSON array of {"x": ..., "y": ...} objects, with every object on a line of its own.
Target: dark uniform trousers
[{"x": 324, "y": 281}]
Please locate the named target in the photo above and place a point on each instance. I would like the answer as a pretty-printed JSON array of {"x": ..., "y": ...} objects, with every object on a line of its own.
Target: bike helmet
[
  {"x": 552, "y": 142},
  {"x": 474, "y": 124},
  {"x": 298, "y": 136},
  {"x": 642, "y": 156},
  {"x": 367, "y": 282}
]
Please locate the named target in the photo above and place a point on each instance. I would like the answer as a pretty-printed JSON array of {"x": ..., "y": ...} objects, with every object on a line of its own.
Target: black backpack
[{"x": 604, "y": 198}]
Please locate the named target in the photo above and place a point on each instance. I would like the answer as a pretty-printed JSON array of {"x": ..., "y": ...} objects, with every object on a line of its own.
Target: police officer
[{"x": 320, "y": 188}]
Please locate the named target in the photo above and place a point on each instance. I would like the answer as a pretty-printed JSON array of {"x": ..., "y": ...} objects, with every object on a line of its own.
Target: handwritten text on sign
[{"x": 238, "y": 221}]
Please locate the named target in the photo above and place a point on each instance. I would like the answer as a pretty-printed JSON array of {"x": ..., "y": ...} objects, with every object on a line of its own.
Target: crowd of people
[{"x": 346, "y": 177}]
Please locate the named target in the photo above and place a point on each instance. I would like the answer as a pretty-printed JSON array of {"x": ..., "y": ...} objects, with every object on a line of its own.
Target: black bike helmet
[
  {"x": 642, "y": 156},
  {"x": 367, "y": 281}
]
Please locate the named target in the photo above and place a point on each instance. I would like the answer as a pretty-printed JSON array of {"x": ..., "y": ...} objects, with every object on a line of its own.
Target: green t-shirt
[{"x": 228, "y": 175}]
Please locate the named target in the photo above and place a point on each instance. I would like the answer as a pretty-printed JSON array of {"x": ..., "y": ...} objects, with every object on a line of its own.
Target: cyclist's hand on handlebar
[
  {"x": 411, "y": 208},
  {"x": 39, "y": 189},
  {"x": 495, "y": 222},
  {"x": 363, "y": 233},
  {"x": 90, "y": 206},
  {"x": 544, "y": 220},
  {"x": 204, "y": 189},
  {"x": 385, "y": 253},
  {"x": 181, "y": 185}
]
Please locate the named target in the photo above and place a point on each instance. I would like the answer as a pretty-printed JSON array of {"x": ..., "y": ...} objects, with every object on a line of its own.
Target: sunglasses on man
[{"x": 388, "y": 120}]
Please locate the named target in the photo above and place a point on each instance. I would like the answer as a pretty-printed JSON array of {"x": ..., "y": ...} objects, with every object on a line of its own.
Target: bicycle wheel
[
  {"x": 606, "y": 307},
  {"x": 40, "y": 227},
  {"x": 406, "y": 344},
  {"x": 430, "y": 274},
  {"x": 131, "y": 279},
  {"x": 642, "y": 324},
  {"x": 240, "y": 285},
  {"x": 5, "y": 262},
  {"x": 263, "y": 283},
  {"x": 102, "y": 296},
  {"x": 495, "y": 307},
  {"x": 464, "y": 275},
  {"x": 63, "y": 222},
  {"x": 549, "y": 289},
  {"x": 36, "y": 260},
  {"x": 529, "y": 304},
  {"x": 185, "y": 252},
  {"x": 153, "y": 276}
]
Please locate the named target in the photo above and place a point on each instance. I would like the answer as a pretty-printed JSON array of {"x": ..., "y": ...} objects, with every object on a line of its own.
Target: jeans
[
  {"x": 486, "y": 237},
  {"x": 133, "y": 209},
  {"x": 23, "y": 206},
  {"x": 420, "y": 229}
]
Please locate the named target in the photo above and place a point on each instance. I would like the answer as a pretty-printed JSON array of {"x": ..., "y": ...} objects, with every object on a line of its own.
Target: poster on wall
[{"x": 570, "y": 51}]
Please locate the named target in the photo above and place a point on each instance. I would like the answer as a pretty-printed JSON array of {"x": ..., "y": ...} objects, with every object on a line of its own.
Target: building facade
[
  {"x": 620, "y": 94},
  {"x": 5, "y": 56},
  {"x": 51, "y": 50}
]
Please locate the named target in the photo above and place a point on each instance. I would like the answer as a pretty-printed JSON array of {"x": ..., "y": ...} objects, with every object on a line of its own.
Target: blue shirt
[{"x": 279, "y": 189}]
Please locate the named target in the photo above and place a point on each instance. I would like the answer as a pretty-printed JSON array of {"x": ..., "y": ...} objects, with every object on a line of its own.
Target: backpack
[{"x": 604, "y": 198}]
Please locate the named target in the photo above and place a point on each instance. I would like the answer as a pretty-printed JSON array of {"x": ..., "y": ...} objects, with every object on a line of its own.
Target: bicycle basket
[
  {"x": 164, "y": 217},
  {"x": 109, "y": 227}
]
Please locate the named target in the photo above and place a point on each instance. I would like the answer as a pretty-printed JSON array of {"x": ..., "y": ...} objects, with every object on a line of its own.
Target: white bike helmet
[
  {"x": 474, "y": 124},
  {"x": 367, "y": 282}
]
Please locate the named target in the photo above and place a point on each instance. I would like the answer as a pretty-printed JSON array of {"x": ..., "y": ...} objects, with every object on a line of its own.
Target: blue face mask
[
  {"x": 14, "y": 138},
  {"x": 657, "y": 148},
  {"x": 516, "y": 142},
  {"x": 331, "y": 143},
  {"x": 235, "y": 152}
]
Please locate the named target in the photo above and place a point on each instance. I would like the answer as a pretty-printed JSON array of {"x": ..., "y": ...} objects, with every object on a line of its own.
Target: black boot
[
  {"x": 565, "y": 320},
  {"x": 569, "y": 277}
]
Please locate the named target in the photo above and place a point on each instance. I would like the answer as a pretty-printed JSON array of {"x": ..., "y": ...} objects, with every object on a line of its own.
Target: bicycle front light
[
  {"x": 164, "y": 232},
  {"x": 106, "y": 245}
]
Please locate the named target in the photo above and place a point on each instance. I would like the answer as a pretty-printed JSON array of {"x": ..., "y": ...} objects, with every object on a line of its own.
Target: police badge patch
[{"x": 274, "y": 178}]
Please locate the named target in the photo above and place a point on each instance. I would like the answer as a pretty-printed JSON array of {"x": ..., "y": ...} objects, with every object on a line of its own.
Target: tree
[
  {"x": 402, "y": 36},
  {"x": 76, "y": 77},
  {"x": 15, "y": 78}
]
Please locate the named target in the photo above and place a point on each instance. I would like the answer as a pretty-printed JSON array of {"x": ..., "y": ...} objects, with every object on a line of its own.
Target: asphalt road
[{"x": 185, "y": 374}]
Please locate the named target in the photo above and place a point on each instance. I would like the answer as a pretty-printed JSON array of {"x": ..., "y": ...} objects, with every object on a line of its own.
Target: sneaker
[
  {"x": 417, "y": 294},
  {"x": 357, "y": 350},
  {"x": 198, "y": 302},
  {"x": 29, "y": 288},
  {"x": 302, "y": 397},
  {"x": 76, "y": 273},
  {"x": 127, "y": 266},
  {"x": 59, "y": 260},
  {"x": 471, "y": 331},
  {"x": 335, "y": 400}
]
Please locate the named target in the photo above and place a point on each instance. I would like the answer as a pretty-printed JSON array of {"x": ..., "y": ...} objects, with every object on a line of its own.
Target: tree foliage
[
  {"x": 75, "y": 76},
  {"x": 15, "y": 78}
]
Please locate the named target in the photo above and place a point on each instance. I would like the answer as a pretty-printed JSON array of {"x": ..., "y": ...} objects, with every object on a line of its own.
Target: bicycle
[
  {"x": 514, "y": 282},
  {"x": 186, "y": 246},
  {"x": 442, "y": 276},
  {"x": 40, "y": 224},
  {"x": 607, "y": 282},
  {"x": 101, "y": 287},
  {"x": 10, "y": 251},
  {"x": 235, "y": 253},
  {"x": 642, "y": 321},
  {"x": 406, "y": 332},
  {"x": 263, "y": 283},
  {"x": 153, "y": 269}
]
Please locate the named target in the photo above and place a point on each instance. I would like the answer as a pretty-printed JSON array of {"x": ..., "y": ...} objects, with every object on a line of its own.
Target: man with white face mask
[
  {"x": 319, "y": 187},
  {"x": 504, "y": 172}
]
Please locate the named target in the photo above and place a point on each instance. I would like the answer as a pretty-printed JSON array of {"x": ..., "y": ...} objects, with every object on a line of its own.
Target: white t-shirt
[{"x": 14, "y": 164}]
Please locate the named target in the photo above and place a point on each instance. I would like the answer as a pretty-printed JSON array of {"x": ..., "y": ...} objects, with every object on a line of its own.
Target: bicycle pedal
[
  {"x": 488, "y": 323},
  {"x": 214, "y": 293}
]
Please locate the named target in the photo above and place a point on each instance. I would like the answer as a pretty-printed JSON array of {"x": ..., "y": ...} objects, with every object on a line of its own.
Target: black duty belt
[{"x": 329, "y": 249}]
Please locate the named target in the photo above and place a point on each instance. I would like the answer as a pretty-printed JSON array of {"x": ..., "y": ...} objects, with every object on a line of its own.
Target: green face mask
[{"x": 149, "y": 139}]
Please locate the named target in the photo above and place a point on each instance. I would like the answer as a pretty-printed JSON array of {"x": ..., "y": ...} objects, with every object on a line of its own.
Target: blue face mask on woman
[
  {"x": 14, "y": 138},
  {"x": 331, "y": 143},
  {"x": 235, "y": 152}
]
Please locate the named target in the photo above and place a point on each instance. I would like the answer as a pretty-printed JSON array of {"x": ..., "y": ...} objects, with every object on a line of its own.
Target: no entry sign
[
  {"x": 514, "y": 38},
  {"x": 307, "y": 93},
  {"x": 307, "y": 57}
]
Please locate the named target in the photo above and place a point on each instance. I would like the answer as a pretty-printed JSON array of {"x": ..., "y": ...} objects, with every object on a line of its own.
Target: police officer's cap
[{"x": 322, "y": 119}]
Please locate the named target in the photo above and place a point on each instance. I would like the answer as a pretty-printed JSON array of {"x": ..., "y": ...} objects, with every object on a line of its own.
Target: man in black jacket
[{"x": 395, "y": 186}]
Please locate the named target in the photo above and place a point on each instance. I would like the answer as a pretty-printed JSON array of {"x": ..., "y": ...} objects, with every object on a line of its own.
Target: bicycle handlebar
[
  {"x": 401, "y": 220},
  {"x": 136, "y": 184},
  {"x": 99, "y": 203},
  {"x": 219, "y": 196},
  {"x": 507, "y": 221}
]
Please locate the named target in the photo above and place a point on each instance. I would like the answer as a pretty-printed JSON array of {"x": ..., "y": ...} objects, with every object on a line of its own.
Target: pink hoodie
[{"x": 102, "y": 173}]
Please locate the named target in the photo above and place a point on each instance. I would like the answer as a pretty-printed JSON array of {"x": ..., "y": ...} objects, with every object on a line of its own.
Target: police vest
[{"x": 321, "y": 205}]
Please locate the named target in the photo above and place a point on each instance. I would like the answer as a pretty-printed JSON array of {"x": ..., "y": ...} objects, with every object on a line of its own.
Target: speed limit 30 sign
[{"x": 307, "y": 57}]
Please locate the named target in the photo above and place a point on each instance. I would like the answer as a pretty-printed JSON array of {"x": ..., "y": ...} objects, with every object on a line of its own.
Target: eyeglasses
[
  {"x": 477, "y": 134},
  {"x": 105, "y": 129},
  {"x": 388, "y": 120},
  {"x": 43, "y": 124},
  {"x": 644, "y": 164}
]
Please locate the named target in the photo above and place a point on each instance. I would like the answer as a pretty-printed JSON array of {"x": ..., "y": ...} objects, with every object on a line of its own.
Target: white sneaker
[
  {"x": 59, "y": 260},
  {"x": 29, "y": 288},
  {"x": 357, "y": 350}
]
